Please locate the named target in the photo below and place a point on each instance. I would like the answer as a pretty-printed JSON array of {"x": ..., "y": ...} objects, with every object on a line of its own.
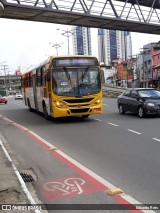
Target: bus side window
[
  {"x": 24, "y": 82},
  {"x": 27, "y": 80},
  {"x": 39, "y": 76},
  {"x": 30, "y": 79},
  {"x": 43, "y": 76}
]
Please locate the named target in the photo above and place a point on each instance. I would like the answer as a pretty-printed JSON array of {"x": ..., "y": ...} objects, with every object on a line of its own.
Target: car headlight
[{"x": 151, "y": 104}]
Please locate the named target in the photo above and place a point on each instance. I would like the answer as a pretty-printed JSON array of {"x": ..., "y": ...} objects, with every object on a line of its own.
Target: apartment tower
[
  {"x": 113, "y": 44},
  {"x": 81, "y": 41}
]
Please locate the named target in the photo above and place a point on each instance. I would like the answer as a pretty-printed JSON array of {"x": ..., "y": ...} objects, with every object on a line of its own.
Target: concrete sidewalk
[{"x": 11, "y": 189}]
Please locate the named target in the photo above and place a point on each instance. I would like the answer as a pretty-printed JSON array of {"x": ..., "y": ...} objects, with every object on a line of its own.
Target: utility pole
[
  {"x": 5, "y": 67},
  {"x": 134, "y": 59},
  {"x": 9, "y": 80},
  {"x": 144, "y": 51}
]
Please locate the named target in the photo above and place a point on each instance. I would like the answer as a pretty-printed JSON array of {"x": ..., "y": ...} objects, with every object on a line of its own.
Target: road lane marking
[
  {"x": 156, "y": 139},
  {"x": 105, "y": 104},
  {"x": 66, "y": 186},
  {"x": 113, "y": 124},
  {"x": 97, "y": 119},
  {"x": 134, "y": 131},
  {"x": 82, "y": 170}
]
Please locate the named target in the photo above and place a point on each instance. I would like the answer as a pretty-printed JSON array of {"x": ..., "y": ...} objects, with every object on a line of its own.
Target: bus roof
[{"x": 51, "y": 57}]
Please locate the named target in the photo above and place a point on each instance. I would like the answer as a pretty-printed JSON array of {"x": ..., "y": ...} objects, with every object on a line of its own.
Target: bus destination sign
[{"x": 66, "y": 62}]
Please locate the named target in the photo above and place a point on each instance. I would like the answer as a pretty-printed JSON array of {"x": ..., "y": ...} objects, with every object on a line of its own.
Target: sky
[{"x": 26, "y": 43}]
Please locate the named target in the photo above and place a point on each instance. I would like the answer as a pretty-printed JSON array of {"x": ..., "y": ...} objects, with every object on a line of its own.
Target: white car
[{"x": 18, "y": 96}]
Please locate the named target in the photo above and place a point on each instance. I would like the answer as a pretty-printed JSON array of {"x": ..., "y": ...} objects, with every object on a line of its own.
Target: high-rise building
[
  {"x": 113, "y": 44},
  {"x": 101, "y": 45},
  {"x": 81, "y": 41},
  {"x": 128, "y": 45}
]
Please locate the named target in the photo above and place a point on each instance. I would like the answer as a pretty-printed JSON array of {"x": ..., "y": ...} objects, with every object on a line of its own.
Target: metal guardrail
[{"x": 112, "y": 92}]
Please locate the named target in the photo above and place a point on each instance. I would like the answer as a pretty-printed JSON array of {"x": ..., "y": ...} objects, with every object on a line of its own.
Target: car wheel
[
  {"x": 121, "y": 109},
  {"x": 141, "y": 113},
  {"x": 5, "y": 102}
]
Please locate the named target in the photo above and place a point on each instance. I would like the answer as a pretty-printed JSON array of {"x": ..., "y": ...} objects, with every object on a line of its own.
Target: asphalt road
[{"x": 123, "y": 149}]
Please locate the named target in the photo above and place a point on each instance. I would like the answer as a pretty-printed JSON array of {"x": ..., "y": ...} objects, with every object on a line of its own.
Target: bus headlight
[
  {"x": 98, "y": 101},
  {"x": 60, "y": 104}
]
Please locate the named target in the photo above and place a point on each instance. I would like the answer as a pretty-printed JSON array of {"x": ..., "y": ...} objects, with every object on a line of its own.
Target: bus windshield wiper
[
  {"x": 83, "y": 75},
  {"x": 67, "y": 74}
]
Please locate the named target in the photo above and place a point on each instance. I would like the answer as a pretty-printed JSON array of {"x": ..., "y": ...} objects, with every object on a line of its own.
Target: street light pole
[
  {"x": 56, "y": 46},
  {"x": 2, "y": 62},
  {"x": 67, "y": 33}
]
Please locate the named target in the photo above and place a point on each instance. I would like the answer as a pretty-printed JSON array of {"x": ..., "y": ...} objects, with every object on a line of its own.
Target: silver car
[{"x": 18, "y": 96}]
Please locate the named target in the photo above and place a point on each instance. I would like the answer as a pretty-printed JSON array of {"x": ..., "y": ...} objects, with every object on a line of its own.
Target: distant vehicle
[
  {"x": 142, "y": 101},
  {"x": 3, "y": 100},
  {"x": 18, "y": 96}
]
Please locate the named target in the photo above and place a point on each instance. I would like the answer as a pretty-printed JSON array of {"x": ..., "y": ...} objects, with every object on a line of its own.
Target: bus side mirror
[{"x": 48, "y": 76}]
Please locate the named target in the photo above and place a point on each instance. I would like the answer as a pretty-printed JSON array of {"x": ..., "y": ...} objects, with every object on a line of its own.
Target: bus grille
[
  {"x": 85, "y": 100},
  {"x": 79, "y": 110}
]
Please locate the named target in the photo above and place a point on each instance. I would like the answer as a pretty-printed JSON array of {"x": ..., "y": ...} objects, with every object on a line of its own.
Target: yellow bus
[{"x": 64, "y": 86}]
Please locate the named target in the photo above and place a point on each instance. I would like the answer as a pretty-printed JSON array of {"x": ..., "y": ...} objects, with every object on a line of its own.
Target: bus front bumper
[{"x": 79, "y": 111}]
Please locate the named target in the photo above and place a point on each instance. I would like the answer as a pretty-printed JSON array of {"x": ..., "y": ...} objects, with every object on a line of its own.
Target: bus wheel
[
  {"x": 46, "y": 116},
  {"x": 85, "y": 116}
]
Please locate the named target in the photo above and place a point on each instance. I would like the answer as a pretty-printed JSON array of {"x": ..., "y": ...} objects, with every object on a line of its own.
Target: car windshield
[
  {"x": 149, "y": 93},
  {"x": 76, "y": 81}
]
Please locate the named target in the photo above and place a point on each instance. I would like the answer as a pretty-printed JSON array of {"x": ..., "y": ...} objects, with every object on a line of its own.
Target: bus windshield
[{"x": 68, "y": 81}]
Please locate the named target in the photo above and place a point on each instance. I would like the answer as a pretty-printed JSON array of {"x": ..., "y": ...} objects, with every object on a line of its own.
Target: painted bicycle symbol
[{"x": 69, "y": 186}]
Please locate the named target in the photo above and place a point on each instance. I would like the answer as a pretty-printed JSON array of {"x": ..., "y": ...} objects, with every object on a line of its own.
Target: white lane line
[
  {"x": 156, "y": 139},
  {"x": 97, "y": 119},
  {"x": 105, "y": 104},
  {"x": 113, "y": 124},
  {"x": 134, "y": 131}
]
